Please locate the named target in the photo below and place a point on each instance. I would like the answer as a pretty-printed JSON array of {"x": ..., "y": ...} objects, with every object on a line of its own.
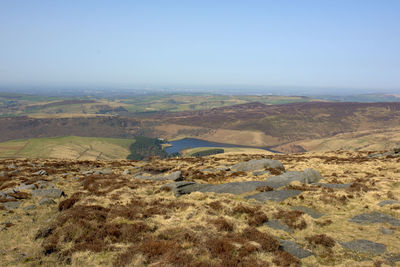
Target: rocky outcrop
[
  {"x": 307, "y": 177},
  {"x": 258, "y": 164}
]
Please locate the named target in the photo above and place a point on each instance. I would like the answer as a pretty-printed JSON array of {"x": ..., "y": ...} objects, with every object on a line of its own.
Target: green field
[{"x": 69, "y": 147}]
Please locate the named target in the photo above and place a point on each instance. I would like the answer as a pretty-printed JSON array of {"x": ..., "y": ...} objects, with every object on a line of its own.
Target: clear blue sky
[{"x": 299, "y": 43}]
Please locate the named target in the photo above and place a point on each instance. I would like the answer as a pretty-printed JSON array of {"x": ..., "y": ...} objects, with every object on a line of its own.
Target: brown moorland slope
[
  {"x": 119, "y": 213},
  {"x": 252, "y": 124}
]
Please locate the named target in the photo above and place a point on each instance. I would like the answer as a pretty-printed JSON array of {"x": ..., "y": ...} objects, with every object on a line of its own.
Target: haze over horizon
[{"x": 319, "y": 46}]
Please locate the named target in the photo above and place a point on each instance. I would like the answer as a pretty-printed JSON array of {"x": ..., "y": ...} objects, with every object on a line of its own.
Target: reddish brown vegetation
[
  {"x": 322, "y": 240},
  {"x": 292, "y": 219}
]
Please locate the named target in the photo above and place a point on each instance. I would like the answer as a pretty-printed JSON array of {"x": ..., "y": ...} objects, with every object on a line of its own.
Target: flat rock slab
[
  {"x": 258, "y": 164},
  {"x": 11, "y": 205},
  {"x": 46, "y": 201},
  {"x": 277, "y": 225},
  {"x": 386, "y": 231},
  {"x": 313, "y": 213},
  {"x": 49, "y": 193},
  {"x": 388, "y": 202},
  {"x": 235, "y": 188},
  {"x": 335, "y": 186},
  {"x": 364, "y": 246},
  {"x": 306, "y": 177},
  {"x": 175, "y": 176},
  {"x": 278, "y": 195},
  {"x": 294, "y": 249},
  {"x": 375, "y": 217}
]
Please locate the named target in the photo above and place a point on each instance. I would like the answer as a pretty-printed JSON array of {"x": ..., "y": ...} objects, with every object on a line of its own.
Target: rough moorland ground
[{"x": 120, "y": 213}]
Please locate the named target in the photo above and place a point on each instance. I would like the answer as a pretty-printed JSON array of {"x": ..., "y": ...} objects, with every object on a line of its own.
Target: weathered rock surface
[
  {"x": 307, "y": 177},
  {"x": 259, "y": 173},
  {"x": 364, "y": 246},
  {"x": 386, "y": 231},
  {"x": 175, "y": 176},
  {"x": 11, "y": 205},
  {"x": 335, "y": 186},
  {"x": 48, "y": 193},
  {"x": 313, "y": 213},
  {"x": 46, "y": 201},
  {"x": 388, "y": 202},
  {"x": 23, "y": 186},
  {"x": 277, "y": 225},
  {"x": 2, "y": 173},
  {"x": 29, "y": 207},
  {"x": 294, "y": 249},
  {"x": 277, "y": 195},
  {"x": 235, "y": 188},
  {"x": 258, "y": 164},
  {"x": 375, "y": 217},
  {"x": 41, "y": 172}
]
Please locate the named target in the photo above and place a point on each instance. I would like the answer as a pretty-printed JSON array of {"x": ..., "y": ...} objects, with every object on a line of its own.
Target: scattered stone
[
  {"x": 182, "y": 188},
  {"x": 392, "y": 258},
  {"x": 29, "y": 207},
  {"x": 107, "y": 171},
  {"x": 364, "y": 246},
  {"x": 175, "y": 176},
  {"x": 277, "y": 225},
  {"x": 307, "y": 177},
  {"x": 87, "y": 172},
  {"x": 277, "y": 195},
  {"x": 11, "y": 205},
  {"x": 294, "y": 249},
  {"x": 13, "y": 172},
  {"x": 335, "y": 186},
  {"x": 40, "y": 173},
  {"x": 314, "y": 214},
  {"x": 258, "y": 164},
  {"x": 375, "y": 217},
  {"x": 2, "y": 173},
  {"x": 46, "y": 201},
  {"x": 223, "y": 168},
  {"x": 10, "y": 191},
  {"x": 388, "y": 202},
  {"x": 42, "y": 184},
  {"x": 126, "y": 172},
  {"x": 235, "y": 188},
  {"x": 386, "y": 231},
  {"x": 23, "y": 186},
  {"x": 49, "y": 193},
  {"x": 11, "y": 167}
]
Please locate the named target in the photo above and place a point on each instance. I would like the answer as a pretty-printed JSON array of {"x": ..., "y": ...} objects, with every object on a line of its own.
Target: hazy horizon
[{"x": 293, "y": 47}]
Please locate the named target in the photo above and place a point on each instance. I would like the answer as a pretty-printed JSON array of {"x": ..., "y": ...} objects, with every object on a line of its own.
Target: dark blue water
[{"x": 186, "y": 143}]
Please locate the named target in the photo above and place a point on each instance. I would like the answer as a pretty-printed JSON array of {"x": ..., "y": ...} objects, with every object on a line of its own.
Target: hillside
[
  {"x": 224, "y": 210},
  {"x": 70, "y": 147},
  {"x": 251, "y": 124}
]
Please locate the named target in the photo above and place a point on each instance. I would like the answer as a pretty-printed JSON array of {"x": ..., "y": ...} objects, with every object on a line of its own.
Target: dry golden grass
[{"x": 116, "y": 220}]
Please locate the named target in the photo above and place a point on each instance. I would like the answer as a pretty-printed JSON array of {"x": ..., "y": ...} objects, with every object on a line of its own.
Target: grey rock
[
  {"x": 2, "y": 173},
  {"x": 386, "y": 231},
  {"x": 23, "y": 186},
  {"x": 258, "y": 164},
  {"x": 277, "y": 195},
  {"x": 277, "y": 225},
  {"x": 13, "y": 172},
  {"x": 294, "y": 249},
  {"x": 42, "y": 184},
  {"x": 309, "y": 211},
  {"x": 335, "y": 186},
  {"x": 208, "y": 170},
  {"x": 11, "y": 205},
  {"x": 388, "y": 202},
  {"x": 49, "y": 193},
  {"x": 11, "y": 167},
  {"x": 392, "y": 258},
  {"x": 223, "y": 168},
  {"x": 87, "y": 172},
  {"x": 307, "y": 177},
  {"x": 182, "y": 188},
  {"x": 46, "y": 201},
  {"x": 29, "y": 207},
  {"x": 375, "y": 217},
  {"x": 396, "y": 149},
  {"x": 364, "y": 246},
  {"x": 107, "y": 171},
  {"x": 176, "y": 185},
  {"x": 126, "y": 172},
  {"x": 41, "y": 173},
  {"x": 235, "y": 188},
  {"x": 11, "y": 191},
  {"x": 175, "y": 176}
]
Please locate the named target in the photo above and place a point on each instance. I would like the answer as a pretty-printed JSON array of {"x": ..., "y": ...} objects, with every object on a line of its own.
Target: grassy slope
[{"x": 70, "y": 147}]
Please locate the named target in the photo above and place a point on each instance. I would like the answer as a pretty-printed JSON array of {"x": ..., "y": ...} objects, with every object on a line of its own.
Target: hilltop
[{"x": 221, "y": 210}]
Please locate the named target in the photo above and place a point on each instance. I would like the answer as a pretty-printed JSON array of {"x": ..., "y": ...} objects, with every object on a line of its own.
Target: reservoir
[{"x": 186, "y": 143}]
